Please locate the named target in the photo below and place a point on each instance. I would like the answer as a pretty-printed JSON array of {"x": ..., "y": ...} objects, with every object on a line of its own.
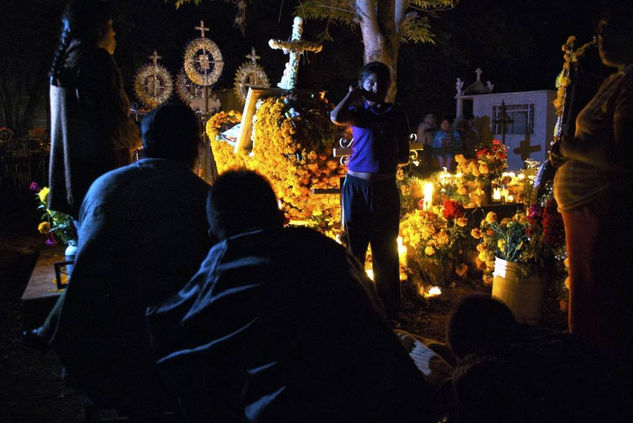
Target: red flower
[
  {"x": 453, "y": 209},
  {"x": 496, "y": 142}
]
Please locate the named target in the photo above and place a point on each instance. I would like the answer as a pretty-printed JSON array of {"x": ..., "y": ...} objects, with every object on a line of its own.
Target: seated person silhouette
[
  {"x": 280, "y": 325},
  {"x": 143, "y": 234},
  {"x": 507, "y": 372}
]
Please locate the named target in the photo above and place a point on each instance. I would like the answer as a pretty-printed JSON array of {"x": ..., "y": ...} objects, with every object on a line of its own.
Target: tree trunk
[{"x": 380, "y": 22}]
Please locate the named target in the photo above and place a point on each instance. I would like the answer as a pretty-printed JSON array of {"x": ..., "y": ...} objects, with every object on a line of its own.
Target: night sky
[{"x": 516, "y": 44}]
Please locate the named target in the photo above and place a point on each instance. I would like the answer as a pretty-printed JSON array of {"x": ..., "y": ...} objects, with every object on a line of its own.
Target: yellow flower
[
  {"x": 462, "y": 190},
  {"x": 482, "y": 247},
  {"x": 501, "y": 244},
  {"x": 483, "y": 169},
  {"x": 44, "y": 227},
  {"x": 429, "y": 251},
  {"x": 482, "y": 256},
  {"x": 43, "y": 194},
  {"x": 491, "y": 217},
  {"x": 462, "y": 222},
  {"x": 475, "y": 233},
  {"x": 504, "y": 221}
]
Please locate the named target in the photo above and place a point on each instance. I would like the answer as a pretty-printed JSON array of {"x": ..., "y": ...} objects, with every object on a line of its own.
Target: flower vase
[
  {"x": 70, "y": 252},
  {"x": 523, "y": 295}
]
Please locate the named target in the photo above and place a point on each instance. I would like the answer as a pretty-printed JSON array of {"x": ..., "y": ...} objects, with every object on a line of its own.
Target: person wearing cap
[{"x": 143, "y": 234}]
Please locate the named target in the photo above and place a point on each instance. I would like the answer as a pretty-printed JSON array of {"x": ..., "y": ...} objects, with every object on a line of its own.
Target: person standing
[
  {"x": 371, "y": 201},
  {"x": 593, "y": 188},
  {"x": 91, "y": 131},
  {"x": 446, "y": 143}
]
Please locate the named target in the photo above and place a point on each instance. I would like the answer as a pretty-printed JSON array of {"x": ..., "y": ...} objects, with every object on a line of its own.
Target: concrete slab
[{"x": 41, "y": 291}]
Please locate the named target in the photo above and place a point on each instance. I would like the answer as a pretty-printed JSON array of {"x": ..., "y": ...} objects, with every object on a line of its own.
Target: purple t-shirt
[{"x": 380, "y": 137}]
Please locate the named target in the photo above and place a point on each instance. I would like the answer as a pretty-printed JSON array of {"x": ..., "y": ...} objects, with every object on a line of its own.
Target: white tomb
[{"x": 532, "y": 115}]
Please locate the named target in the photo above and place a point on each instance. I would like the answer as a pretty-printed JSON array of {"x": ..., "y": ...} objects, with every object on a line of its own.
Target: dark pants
[{"x": 371, "y": 215}]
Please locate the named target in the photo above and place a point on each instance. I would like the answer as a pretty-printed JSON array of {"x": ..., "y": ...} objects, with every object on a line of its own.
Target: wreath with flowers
[{"x": 293, "y": 146}]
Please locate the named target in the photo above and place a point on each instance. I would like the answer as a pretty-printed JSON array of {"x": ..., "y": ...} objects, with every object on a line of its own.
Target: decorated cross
[
  {"x": 253, "y": 56},
  {"x": 525, "y": 149},
  {"x": 294, "y": 48},
  {"x": 202, "y": 29}
]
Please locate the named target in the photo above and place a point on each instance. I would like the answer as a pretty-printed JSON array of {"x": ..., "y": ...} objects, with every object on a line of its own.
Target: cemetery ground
[{"x": 31, "y": 389}]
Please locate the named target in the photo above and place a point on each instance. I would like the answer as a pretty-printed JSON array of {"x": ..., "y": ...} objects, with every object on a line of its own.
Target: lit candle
[
  {"x": 427, "y": 203},
  {"x": 370, "y": 273},
  {"x": 433, "y": 291},
  {"x": 496, "y": 194},
  {"x": 402, "y": 252},
  {"x": 510, "y": 198}
]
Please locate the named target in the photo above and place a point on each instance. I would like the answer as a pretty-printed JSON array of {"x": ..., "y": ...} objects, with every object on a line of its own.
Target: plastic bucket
[{"x": 523, "y": 296}]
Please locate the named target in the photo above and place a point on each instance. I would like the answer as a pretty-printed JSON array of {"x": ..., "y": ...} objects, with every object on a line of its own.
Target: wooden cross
[
  {"x": 155, "y": 58},
  {"x": 295, "y": 47},
  {"x": 503, "y": 119},
  {"x": 202, "y": 29},
  {"x": 525, "y": 149},
  {"x": 253, "y": 56}
]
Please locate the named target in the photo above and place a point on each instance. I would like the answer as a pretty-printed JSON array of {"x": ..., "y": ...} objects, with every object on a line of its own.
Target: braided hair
[{"x": 82, "y": 20}]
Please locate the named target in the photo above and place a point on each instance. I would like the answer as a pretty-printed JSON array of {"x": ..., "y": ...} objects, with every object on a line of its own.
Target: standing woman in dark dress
[
  {"x": 91, "y": 131},
  {"x": 594, "y": 191}
]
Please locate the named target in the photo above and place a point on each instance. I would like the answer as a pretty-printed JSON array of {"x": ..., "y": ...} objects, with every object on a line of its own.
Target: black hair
[
  {"x": 381, "y": 71},
  {"x": 478, "y": 323},
  {"x": 83, "y": 20},
  {"x": 171, "y": 131},
  {"x": 241, "y": 200}
]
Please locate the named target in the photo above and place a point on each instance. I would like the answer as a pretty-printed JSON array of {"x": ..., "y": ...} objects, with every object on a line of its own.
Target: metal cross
[
  {"x": 253, "y": 56},
  {"x": 202, "y": 29},
  {"x": 503, "y": 119},
  {"x": 155, "y": 58}
]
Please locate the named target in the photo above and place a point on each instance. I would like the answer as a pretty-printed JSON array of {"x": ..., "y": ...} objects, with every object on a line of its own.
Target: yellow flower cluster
[
  {"x": 430, "y": 235},
  {"x": 294, "y": 154}
]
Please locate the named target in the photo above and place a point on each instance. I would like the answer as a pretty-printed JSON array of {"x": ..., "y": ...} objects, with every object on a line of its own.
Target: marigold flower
[
  {"x": 491, "y": 217},
  {"x": 429, "y": 251},
  {"x": 461, "y": 270},
  {"x": 43, "y": 194},
  {"x": 501, "y": 244},
  {"x": 475, "y": 233},
  {"x": 462, "y": 190},
  {"x": 44, "y": 228},
  {"x": 462, "y": 222}
]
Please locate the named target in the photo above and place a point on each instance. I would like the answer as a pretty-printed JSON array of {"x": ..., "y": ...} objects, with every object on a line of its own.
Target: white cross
[
  {"x": 294, "y": 48},
  {"x": 478, "y": 72}
]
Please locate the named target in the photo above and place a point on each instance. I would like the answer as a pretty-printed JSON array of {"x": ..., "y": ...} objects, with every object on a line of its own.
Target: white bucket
[{"x": 523, "y": 296}]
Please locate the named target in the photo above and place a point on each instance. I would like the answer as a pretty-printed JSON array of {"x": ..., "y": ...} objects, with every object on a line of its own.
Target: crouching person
[
  {"x": 143, "y": 234},
  {"x": 280, "y": 324}
]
